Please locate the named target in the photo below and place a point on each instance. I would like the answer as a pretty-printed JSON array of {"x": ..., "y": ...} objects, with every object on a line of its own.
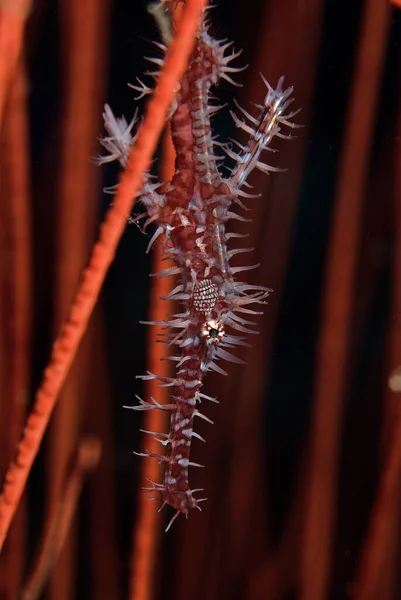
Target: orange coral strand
[
  {"x": 13, "y": 14},
  {"x": 103, "y": 252},
  {"x": 16, "y": 291},
  {"x": 83, "y": 51}
]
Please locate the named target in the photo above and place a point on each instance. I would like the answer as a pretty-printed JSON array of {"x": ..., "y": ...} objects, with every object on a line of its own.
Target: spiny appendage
[
  {"x": 261, "y": 129},
  {"x": 118, "y": 143}
]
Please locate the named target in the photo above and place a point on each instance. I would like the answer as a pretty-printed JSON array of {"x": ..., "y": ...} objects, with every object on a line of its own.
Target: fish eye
[{"x": 212, "y": 331}]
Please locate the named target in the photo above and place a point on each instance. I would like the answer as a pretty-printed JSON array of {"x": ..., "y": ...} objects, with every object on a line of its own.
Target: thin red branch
[
  {"x": 103, "y": 252},
  {"x": 17, "y": 298},
  {"x": 382, "y": 523},
  {"x": 83, "y": 30},
  {"x": 59, "y": 521},
  {"x": 13, "y": 14}
]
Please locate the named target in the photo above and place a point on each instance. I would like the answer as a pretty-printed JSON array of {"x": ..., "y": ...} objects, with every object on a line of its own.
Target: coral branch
[
  {"x": 103, "y": 252},
  {"x": 16, "y": 292},
  {"x": 12, "y": 20},
  {"x": 60, "y": 518},
  {"x": 382, "y": 520},
  {"x": 83, "y": 50}
]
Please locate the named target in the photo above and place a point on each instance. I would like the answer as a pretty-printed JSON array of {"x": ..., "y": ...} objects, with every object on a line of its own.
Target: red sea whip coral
[{"x": 191, "y": 216}]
